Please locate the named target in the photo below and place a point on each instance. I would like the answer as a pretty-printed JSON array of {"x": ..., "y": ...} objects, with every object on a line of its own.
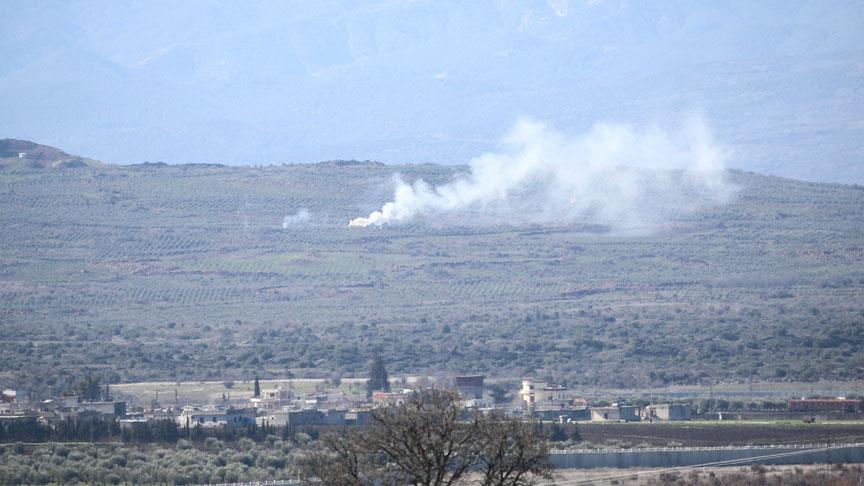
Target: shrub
[{"x": 213, "y": 444}]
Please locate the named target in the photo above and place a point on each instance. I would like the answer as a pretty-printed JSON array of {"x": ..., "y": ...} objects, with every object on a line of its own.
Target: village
[{"x": 283, "y": 406}]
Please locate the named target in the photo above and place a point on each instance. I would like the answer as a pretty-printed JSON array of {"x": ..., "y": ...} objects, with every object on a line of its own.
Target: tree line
[{"x": 155, "y": 431}]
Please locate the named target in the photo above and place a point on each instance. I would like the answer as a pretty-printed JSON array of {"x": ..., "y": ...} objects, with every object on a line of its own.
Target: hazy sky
[{"x": 413, "y": 81}]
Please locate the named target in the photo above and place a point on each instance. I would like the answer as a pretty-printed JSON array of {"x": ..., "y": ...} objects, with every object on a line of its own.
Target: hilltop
[
  {"x": 22, "y": 153},
  {"x": 209, "y": 272}
]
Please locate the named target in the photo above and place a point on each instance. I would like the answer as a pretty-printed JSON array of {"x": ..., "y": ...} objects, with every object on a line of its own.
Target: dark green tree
[
  {"x": 378, "y": 380},
  {"x": 88, "y": 388},
  {"x": 557, "y": 433},
  {"x": 499, "y": 394}
]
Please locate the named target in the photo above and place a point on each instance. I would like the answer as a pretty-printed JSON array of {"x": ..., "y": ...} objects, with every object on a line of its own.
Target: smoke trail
[
  {"x": 613, "y": 174},
  {"x": 299, "y": 217}
]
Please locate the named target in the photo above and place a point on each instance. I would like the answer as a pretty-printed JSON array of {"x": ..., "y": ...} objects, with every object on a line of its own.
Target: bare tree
[
  {"x": 432, "y": 441},
  {"x": 511, "y": 453},
  {"x": 425, "y": 438},
  {"x": 341, "y": 462}
]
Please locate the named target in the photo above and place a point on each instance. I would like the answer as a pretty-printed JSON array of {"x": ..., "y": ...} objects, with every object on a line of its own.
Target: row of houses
[
  {"x": 56, "y": 410},
  {"x": 278, "y": 407},
  {"x": 538, "y": 399},
  {"x": 286, "y": 417},
  {"x": 548, "y": 401}
]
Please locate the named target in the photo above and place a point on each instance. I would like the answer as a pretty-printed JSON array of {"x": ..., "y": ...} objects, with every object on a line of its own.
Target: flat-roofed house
[
  {"x": 668, "y": 411},
  {"x": 471, "y": 387},
  {"x": 232, "y": 417},
  {"x": 615, "y": 413}
]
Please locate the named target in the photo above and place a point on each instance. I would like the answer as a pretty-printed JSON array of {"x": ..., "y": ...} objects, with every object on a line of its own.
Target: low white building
[
  {"x": 232, "y": 417},
  {"x": 615, "y": 413}
]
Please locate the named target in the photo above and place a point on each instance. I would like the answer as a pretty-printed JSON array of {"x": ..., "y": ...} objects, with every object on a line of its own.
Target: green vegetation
[
  {"x": 170, "y": 273},
  {"x": 212, "y": 461},
  {"x": 378, "y": 380},
  {"x": 87, "y": 388}
]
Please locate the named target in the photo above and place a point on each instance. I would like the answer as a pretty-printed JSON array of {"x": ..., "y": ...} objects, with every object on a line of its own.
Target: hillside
[
  {"x": 171, "y": 272},
  {"x": 22, "y": 153}
]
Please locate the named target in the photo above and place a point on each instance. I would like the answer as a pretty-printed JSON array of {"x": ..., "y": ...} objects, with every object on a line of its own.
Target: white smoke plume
[
  {"x": 614, "y": 174},
  {"x": 301, "y": 216}
]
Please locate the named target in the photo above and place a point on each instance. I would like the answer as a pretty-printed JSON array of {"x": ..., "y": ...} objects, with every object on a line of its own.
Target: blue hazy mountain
[{"x": 250, "y": 82}]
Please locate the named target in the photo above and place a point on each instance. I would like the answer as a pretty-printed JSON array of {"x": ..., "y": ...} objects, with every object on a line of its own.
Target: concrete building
[
  {"x": 615, "y": 413},
  {"x": 540, "y": 394},
  {"x": 11, "y": 402},
  {"x": 668, "y": 411},
  {"x": 471, "y": 387},
  {"x": 8, "y": 396},
  {"x": 137, "y": 423},
  {"x": 232, "y": 417},
  {"x": 380, "y": 398},
  {"x": 117, "y": 409},
  {"x": 298, "y": 418},
  {"x": 63, "y": 403},
  {"x": 358, "y": 417},
  {"x": 271, "y": 399}
]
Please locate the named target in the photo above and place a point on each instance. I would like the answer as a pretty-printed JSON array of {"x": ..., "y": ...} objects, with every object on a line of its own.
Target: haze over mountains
[{"x": 414, "y": 81}]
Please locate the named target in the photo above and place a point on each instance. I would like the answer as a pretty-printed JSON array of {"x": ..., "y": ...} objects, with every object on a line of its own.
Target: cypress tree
[{"x": 378, "y": 380}]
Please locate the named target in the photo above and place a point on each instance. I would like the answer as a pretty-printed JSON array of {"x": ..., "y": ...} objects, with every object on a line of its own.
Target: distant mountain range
[{"x": 412, "y": 81}]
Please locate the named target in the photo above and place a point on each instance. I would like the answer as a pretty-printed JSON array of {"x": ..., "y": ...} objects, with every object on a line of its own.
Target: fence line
[
  {"x": 730, "y": 462},
  {"x": 704, "y": 448}
]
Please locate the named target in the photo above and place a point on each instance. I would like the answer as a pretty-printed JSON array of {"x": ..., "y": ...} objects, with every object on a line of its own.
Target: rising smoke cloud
[
  {"x": 301, "y": 216},
  {"x": 614, "y": 174}
]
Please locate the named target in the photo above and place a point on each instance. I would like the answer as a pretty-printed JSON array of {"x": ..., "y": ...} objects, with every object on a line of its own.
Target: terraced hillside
[{"x": 188, "y": 272}]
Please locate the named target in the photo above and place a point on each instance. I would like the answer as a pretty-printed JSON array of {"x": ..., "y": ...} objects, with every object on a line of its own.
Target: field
[
  {"x": 714, "y": 433},
  {"x": 211, "y": 461},
  {"x": 803, "y": 475},
  {"x": 169, "y": 273}
]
